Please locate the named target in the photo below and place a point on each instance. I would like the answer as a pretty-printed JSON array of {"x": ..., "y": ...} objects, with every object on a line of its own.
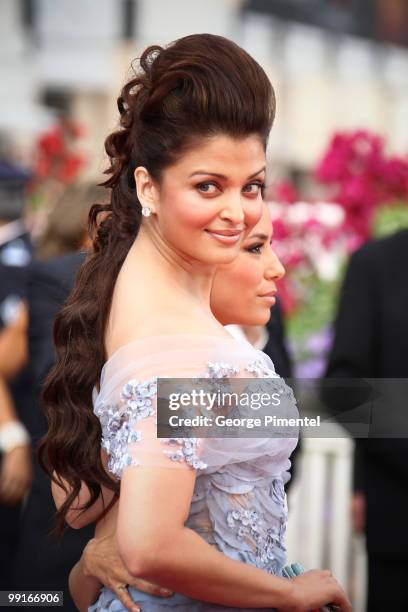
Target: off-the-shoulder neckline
[{"x": 177, "y": 335}]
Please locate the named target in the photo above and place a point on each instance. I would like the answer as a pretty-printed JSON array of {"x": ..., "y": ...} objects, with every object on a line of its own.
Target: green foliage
[
  {"x": 317, "y": 311},
  {"x": 389, "y": 218}
]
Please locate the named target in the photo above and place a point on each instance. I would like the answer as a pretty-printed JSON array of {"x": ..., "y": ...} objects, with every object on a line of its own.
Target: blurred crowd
[{"x": 36, "y": 276}]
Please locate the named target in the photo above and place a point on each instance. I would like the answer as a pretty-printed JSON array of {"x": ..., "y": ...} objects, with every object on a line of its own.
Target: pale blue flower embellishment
[
  {"x": 249, "y": 523},
  {"x": 218, "y": 369},
  {"x": 116, "y": 436},
  {"x": 185, "y": 450},
  {"x": 260, "y": 370},
  {"x": 138, "y": 397}
]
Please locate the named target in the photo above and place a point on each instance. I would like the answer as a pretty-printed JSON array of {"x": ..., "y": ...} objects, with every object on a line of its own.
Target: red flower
[
  {"x": 70, "y": 167},
  {"x": 52, "y": 143},
  {"x": 57, "y": 158}
]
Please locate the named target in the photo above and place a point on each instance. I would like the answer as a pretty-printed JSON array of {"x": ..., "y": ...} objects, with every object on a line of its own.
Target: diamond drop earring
[{"x": 146, "y": 211}]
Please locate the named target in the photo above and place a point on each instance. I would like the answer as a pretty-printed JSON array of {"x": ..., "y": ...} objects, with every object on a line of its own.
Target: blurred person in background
[
  {"x": 15, "y": 390},
  {"x": 66, "y": 229},
  {"x": 40, "y": 561},
  {"x": 371, "y": 341},
  {"x": 65, "y": 233}
]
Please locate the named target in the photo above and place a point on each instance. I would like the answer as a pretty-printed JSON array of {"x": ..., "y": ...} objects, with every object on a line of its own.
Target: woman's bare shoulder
[{"x": 165, "y": 326}]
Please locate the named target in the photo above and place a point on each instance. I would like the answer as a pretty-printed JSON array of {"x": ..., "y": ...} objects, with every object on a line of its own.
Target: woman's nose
[
  {"x": 233, "y": 210},
  {"x": 274, "y": 270}
]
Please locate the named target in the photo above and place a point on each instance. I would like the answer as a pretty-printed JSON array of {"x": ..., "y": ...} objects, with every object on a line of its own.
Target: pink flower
[
  {"x": 285, "y": 192},
  {"x": 280, "y": 230},
  {"x": 395, "y": 174},
  {"x": 312, "y": 225},
  {"x": 361, "y": 177},
  {"x": 287, "y": 296}
]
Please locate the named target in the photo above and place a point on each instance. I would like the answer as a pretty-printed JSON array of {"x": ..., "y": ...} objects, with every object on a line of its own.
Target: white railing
[{"x": 319, "y": 530}]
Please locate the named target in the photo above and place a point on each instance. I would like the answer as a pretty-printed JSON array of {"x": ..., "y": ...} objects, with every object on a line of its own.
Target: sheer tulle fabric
[{"x": 127, "y": 400}]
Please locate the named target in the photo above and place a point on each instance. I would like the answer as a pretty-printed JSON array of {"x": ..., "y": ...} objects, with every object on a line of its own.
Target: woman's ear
[{"x": 146, "y": 189}]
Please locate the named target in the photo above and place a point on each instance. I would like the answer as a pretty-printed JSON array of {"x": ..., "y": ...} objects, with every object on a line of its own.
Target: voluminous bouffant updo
[{"x": 201, "y": 85}]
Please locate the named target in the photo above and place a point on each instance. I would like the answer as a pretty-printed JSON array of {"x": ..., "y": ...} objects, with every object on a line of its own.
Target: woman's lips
[
  {"x": 269, "y": 297},
  {"x": 225, "y": 236}
]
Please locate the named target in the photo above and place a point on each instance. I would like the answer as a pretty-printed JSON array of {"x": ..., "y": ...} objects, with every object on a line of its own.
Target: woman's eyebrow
[
  {"x": 263, "y": 237},
  {"x": 222, "y": 176}
]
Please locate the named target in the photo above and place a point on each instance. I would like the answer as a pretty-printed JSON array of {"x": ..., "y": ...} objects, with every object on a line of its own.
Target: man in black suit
[
  {"x": 41, "y": 560},
  {"x": 371, "y": 341}
]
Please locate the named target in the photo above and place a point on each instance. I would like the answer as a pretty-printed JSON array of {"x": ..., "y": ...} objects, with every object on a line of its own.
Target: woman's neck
[
  {"x": 171, "y": 271},
  {"x": 158, "y": 291}
]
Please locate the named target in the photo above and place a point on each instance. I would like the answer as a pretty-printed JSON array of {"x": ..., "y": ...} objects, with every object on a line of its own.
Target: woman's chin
[
  {"x": 219, "y": 257},
  {"x": 262, "y": 317},
  {"x": 249, "y": 317}
]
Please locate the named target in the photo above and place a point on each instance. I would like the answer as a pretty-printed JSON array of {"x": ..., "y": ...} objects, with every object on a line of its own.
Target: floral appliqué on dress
[
  {"x": 137, "y": 402},
  {"x": 250, "y": 523}
]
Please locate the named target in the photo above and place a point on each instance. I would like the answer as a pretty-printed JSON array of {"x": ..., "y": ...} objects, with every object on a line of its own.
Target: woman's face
[
  {"x": 243, "y": 291},
  {"x": 209, "y": 198}
]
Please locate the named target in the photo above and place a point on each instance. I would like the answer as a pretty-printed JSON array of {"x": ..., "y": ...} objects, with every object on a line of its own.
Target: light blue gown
[{"x": 239, "y": 502}]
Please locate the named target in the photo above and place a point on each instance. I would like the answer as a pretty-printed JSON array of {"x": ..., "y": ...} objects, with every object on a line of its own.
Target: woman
[
  {"x": 237, "y": 297},
  {"x": 190, "y": 158}
]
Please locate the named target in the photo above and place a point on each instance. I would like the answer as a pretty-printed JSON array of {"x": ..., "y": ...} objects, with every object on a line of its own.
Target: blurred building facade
[{"x": 334, "y": 64}]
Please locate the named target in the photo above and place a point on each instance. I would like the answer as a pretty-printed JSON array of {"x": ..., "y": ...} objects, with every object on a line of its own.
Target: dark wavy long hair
[{"x": 198, "y": 86}]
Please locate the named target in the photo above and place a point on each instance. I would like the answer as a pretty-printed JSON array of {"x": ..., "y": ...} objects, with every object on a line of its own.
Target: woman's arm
[
  {"x": 154, "y": 544},
  {"x": 84, "y": 589},
  {"x": 15, "y": 466},
  {"x": 13, "y": 344}
]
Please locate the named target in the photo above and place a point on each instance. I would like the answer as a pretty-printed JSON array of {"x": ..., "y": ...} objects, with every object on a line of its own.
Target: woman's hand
[
  {"x": 315, "y": 589},
  {"x": 15, "y": 474},
  {"x": 101, "y": 559}
]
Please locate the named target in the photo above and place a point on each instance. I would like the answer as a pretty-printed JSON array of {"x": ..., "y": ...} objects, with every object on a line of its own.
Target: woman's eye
[
  {"x": 209, "y": 188},
  {"x": 259, "y": 188},
  {"x": 254, "y": 188},
  {"x": 256, "y": 248}
]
